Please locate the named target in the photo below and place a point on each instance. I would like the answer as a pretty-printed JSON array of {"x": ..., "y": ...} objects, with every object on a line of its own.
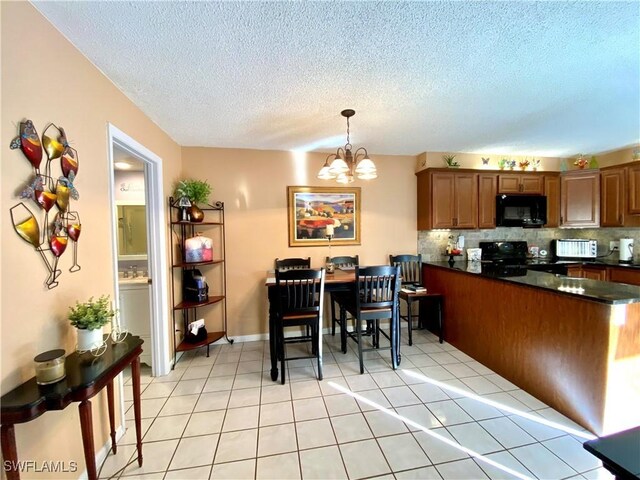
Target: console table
[{"x": 86, "y": 377}]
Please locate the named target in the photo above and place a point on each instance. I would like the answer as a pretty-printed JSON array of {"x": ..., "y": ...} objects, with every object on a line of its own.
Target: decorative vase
[
  {"x": 196, "y": 214},
  {"x": 89, "y": 339}
]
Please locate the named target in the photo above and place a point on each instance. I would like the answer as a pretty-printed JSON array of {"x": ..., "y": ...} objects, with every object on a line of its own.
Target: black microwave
[{"x": 528, "y": 211}]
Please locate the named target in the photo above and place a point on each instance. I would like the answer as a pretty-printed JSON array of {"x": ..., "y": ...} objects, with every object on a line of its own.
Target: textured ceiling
[{"x": 542, "y": 78}]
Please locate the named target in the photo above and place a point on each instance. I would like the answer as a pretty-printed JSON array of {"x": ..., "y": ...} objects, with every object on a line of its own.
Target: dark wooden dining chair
[
  {"x": 300, "y": 300},
  {"x": 292, "y": 263},
  {"x": 337, "y": 296},
  {"x": 375, "y": 298},
  {"x": 411, "y": 273}
]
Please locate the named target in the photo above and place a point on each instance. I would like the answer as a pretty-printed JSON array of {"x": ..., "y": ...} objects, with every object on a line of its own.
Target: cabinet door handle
[{"x": 620, "y": 219}]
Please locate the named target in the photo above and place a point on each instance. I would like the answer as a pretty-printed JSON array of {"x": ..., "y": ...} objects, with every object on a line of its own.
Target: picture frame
[{"x": 312, "y": 209}]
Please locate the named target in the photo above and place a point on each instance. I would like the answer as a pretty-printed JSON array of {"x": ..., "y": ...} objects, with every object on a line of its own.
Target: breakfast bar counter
[{"x": 572, "y": 343}]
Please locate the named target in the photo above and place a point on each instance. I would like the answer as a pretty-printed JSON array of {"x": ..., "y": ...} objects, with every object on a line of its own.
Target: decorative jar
[{"x": 49, "y": 367}]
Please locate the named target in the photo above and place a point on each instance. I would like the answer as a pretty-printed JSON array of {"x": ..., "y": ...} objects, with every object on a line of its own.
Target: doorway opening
[{"x": 139, "y": 246}]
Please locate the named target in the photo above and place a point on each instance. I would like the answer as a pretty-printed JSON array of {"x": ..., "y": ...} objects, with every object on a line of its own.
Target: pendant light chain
[{"x": 345, "y": 164}]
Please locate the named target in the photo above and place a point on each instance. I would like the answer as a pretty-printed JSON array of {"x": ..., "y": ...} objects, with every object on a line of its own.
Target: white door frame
[{"x": 156, "y": 242}]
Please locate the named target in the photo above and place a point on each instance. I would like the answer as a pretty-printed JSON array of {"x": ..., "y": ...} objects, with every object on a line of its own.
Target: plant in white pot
[{"x": 89, "y": 318}]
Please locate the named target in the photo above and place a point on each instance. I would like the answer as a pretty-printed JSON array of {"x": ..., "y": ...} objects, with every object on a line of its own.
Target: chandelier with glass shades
[{"x": 345, "y": 165}]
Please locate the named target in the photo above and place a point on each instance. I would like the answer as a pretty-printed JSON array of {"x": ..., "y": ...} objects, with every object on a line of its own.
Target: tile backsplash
[{"x": 432, "y": 243}]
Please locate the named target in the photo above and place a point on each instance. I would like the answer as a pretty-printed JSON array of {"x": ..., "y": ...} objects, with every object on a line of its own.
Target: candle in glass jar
[
  {"x": 329, "y": 230},
  {"x": 49, "y": 367}
]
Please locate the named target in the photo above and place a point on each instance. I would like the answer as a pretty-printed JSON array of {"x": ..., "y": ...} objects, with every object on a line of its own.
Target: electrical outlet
[{"x": 614, "y": 245}]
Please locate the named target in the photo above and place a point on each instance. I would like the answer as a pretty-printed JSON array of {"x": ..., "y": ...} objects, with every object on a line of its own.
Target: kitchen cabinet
[
  {"x": 487, "y": 191},
  {"x": 618, "y": 187},
  {"x": 447, "y": 199},
  {"x": 186, "y": 311},
  {"x": 135, "y": 312},
  {"x": 633, "y": 188},
  {"x": 552, "y": 192},
  {"x": 624, "y": 275},
  {"x": 580, "y": 198},
  {"x": 529, "y": 183},
  {"x": 612, "y": 197}
]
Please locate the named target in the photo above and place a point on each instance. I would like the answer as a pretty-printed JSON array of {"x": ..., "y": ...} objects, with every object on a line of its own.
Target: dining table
[{"x": 342, "y": 279}]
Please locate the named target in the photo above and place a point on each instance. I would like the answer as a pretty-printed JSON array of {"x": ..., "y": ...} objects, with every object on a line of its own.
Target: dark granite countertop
[
  {"x": 596, "y": 262},
  {"x": 604, "y": 292}
]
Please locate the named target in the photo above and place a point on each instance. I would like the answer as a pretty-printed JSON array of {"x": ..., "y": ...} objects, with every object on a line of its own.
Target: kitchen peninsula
[{"x": 573, "y": 343}]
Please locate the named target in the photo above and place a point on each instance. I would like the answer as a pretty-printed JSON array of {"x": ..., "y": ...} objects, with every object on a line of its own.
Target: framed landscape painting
[{"x": 317, "y": 212}]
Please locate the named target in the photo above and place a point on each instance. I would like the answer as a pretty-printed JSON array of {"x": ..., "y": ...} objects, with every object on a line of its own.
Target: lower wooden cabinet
[{"x": 624, "y": 275}]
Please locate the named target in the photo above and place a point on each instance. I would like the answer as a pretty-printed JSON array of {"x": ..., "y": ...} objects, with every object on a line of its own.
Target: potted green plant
[
  {"x": 196, "y": 191},
  {"x": 450, "y": 160},
  {"x": 89, "y": 318}
]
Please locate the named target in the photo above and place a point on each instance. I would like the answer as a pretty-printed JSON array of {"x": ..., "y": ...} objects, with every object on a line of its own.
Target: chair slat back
[
  {"x": 376, "y": 287},
  {"x": 410, "y": 267},
  {"x": 300, "y": 290},
  {"x": 344, "y": 261},
  {"x": 292, "y": 263}
]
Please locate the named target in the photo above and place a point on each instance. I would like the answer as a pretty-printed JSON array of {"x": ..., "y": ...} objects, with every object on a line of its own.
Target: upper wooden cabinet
[
  {"x": 618, "y": 187},
  {"x": 552, "y": 191},
  {"x": 580, "y": 198},
  {"x": 487, "y": 191},
  {"x": 633, "y": 188},
  {"x": 529, "y": 183},
  {"x": 612, "y": 197},
  {"x": 447, "y": 199}
]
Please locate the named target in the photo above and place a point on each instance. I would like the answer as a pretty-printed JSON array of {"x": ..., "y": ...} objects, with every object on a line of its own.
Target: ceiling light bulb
[
  {"x": 339, "y": 166},
  {"x": 343, "y": 178},
  {"x": 122, "y": 165},
  {"x": 325, "y": 172},
  {"x": 365, "y": 165},
  {"x": 368, "y": 175}
]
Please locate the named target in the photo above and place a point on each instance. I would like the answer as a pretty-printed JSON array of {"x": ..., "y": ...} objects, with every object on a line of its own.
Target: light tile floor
[{"x": 223, "y": 417}]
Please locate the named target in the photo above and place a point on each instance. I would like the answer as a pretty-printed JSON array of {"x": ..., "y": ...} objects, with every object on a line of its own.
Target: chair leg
[
  {"x": 359, "y": 337},
  {"x": 394, "y": 336},
  {"x": 410, "y": 321},
  {"x": 343, "y": 329},
  {"x": 440, "y": 325},
  {"x": 319, "y": 350},
  {"x": 334, "y": 319},
  {"x": 282, "y": 357}
]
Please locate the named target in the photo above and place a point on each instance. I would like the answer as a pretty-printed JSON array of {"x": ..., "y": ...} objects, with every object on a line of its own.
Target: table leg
[
  {"x": 112, "y": 420},
  {"x": 86, "y": 424},
  {"x": 135, "y": 376},
  {"x": 9, "y": 452}
]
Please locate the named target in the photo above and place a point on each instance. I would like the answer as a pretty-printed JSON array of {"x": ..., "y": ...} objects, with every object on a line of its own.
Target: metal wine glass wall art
[{"x": 48, "y": 230}]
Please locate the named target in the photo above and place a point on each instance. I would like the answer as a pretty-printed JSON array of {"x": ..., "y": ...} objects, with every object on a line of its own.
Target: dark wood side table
[
  {"x": 86, "y": 377},
  {"x": 619, "y": 452}
]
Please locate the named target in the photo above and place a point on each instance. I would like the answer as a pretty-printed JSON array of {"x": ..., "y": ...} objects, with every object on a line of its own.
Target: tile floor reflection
[{"x": 222, "y": 417}]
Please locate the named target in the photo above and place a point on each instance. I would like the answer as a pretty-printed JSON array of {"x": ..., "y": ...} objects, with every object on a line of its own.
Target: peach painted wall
[
  {"x": 616, "y": 157},
  {"x": 46, "y": 79},
  {"x": 253, "y": 185}
]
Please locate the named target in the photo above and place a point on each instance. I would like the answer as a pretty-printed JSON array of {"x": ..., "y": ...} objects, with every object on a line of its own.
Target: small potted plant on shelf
[
  {"x": 450, "y": 160},
  {"x": 89, "y": 318},
  {"x": 581, "y": 161},
  {"x": 190, "y": 193},
  {"x": 523, "y": 164}
]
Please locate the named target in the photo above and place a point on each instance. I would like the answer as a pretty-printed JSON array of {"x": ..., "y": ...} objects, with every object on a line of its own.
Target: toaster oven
[{"x": 574, "y": 248}]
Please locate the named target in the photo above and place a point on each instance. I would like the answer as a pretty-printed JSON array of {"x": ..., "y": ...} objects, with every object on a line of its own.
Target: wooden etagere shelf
[{"x": 184, "y": 311}]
